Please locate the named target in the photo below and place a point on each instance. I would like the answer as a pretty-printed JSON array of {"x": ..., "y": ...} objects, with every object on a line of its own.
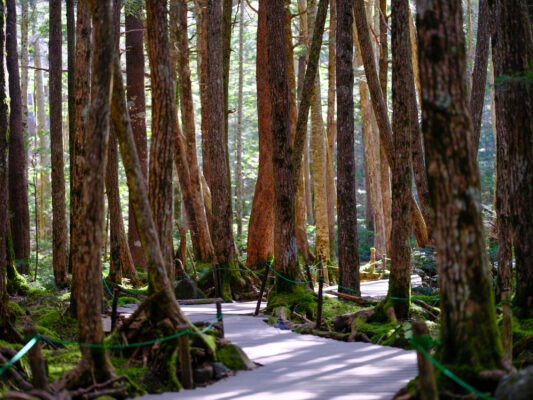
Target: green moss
[
  {"x": 129, "y": 300},
  {"x": 172, "y": 370},
  {"x": 522, "y": 328},
  {"x": 61, "y": 361},
  {"x": 47, "y": 332},
  {"x": 300, "y": 300},
  {"x": 232, "y": 357},
  {"x": 16, "y": 283},
  {"x": 15, "y": 309}
]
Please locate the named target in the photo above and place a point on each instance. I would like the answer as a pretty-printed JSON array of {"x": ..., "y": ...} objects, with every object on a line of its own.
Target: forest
[{"x": 255, "y": 199}]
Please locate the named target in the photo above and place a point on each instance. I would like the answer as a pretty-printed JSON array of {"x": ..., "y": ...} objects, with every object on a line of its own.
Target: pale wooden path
[{"x": 301, "y": 367}]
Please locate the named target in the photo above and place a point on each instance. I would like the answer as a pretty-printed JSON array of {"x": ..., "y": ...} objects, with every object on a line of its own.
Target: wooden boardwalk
[{"x": 301, "y": 367}]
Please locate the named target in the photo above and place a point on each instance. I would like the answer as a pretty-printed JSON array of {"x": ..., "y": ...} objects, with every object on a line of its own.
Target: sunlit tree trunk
[
  {"x": 24, "y": 58},
  {"x": 94, "y": 365},
  {"x": 137, "y": 110},
  {"x": 59, "y": 215},
  {"x": 239, "y": 189},
  {"x": 466, "y": 297},
  {"x": 163, "y": 126},
  {"x": 261, "y": 227}
]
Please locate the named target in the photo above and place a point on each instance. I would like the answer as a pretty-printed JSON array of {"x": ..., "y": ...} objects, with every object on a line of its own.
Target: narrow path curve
[{"x": 301, "y": 367}]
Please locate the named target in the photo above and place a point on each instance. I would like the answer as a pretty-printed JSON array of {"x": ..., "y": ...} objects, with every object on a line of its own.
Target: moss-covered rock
[
  {"x": 233, "y": 357},
  {"x": 300, "y": 300},
  {"x": 517, "y": 386}
]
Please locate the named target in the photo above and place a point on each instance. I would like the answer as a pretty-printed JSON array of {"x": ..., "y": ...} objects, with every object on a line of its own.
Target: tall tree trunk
[
  {"x": 94, "y": 365},
  {"x": 18, "y": 175},
  {"x": 347, "y": 205},
  {"x": 239, "y": 189},
  {"x": 331, "y": 128},
  {"x": 261, "y": 227},
  {"x": 137, "y": 110},
  {"x": 285, "y": 251},
  {"x": 512, "y": 44},
  {"x": 402, "y": 80},
  {"x": 371, "y": 157},
  {"x": 319, "y": 154},
  {"x": 192, "y": 193},
  {"x": 380, "y": 109},
  {"x": 77, "y": 152},
  {"x": 227, "y": 9},
  {"x": 468, "y": 311},
  {"x": 59, "y": 214},
  {"x": 24, "y": 61},
  {"x": 163, "y": 126},
  {"x": 121, "y": 260},
  {"x": 479, "y": 77},
  {"x": 71, "y": 60},
  {"x": 4, "y": 222},
  {"x": 222, "y": 223}
]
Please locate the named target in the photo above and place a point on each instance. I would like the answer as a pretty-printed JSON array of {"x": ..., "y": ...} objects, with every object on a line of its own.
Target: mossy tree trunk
[
  {"x": 348, "y": 244},
  {"x": 512, "y": 44},
  {"x": 469, "y": 333},
  {"x": 94, "y": 365}
]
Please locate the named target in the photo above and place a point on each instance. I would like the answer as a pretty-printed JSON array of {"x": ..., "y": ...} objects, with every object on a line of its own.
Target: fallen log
[{"x": 355, "y": 299}]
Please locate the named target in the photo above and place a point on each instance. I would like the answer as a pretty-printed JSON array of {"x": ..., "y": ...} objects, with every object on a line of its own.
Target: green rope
[
  {"x": 33, "y": 341},
  {"x": 287, "y": 279},
  {"x": 417, "y": 344}
]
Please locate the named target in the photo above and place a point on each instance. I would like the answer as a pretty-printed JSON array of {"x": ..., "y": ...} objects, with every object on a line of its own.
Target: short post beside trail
[
  {"x": 185, "y": 359},
  {"x": 427, "y": 384},
  {"x": 38, "y": 367},
  {"x": 309, "y": 278},
  {"x": 218, "y": 280},
  {"x": 220, "y": 317},
  {"x": 114, "y": 309},
  {"x": 263, "y": 286},
  {"x": 320, "y": 286}
]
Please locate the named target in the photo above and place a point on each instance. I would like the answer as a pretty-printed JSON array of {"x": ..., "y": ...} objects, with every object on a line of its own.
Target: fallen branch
[{"x": 355, "y": 299}]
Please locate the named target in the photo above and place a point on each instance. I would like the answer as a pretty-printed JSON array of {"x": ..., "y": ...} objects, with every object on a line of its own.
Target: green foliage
[
  {"x": 61, "y": 361},
  {"x": 301, "y": 300}
]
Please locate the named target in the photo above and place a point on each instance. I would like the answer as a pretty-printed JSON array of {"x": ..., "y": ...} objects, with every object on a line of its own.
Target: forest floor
[{"x": 296, "y": 366}]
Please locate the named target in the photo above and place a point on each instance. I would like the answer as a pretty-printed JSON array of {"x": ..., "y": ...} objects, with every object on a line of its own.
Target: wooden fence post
[
  {"x": 426, "y": 381},
  {"x": 114, "y": 309},
  {"x": 320, "y": 286},
  {"x": 38, "y": 366},
  {"x": 309, "y": 277},
  {"x": 185, "y": 360}
]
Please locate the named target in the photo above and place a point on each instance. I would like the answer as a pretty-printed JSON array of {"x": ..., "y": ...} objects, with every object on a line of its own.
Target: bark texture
[
  {"x": 18, "y": 175},
  {"x": 285, "y": 251},
  {"x": 59, "y": 214},
  {"x": 402, "y": 79},
  {"x": 468, "y": 322},
  {"x": 94, "y": 365},
  {"x": 512, "y": 44},
  {"x": 163, "y": 126},
  {"x": 348, "y": 245},
  {"x": 137, "y": 109},
  {"x": 261, "y": 227}
]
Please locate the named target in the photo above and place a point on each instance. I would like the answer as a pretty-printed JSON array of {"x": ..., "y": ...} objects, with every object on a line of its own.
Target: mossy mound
[
  {"x": 301, "y": 300},
  {"x": 234, "y": 358}
]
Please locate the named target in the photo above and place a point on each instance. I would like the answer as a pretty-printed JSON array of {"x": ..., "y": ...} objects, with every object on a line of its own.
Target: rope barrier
[
  {"x": 418, "y": 344},
  {"x": 33, "y": 341}
]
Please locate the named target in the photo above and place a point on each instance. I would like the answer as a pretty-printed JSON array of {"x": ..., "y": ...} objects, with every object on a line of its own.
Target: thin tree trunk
[
  {"x": 239, "y": 189},
  {"x": 163, "y": 126},
  {"x": 222, "y": 224},
  {"x": 137, "y": 109},
  {"x": 347, "y": 205},
  {"x": 380, "y": 109},
  {"x": 331, "y": 128},
  {"x": 18, "y": 175},
  {"x": 479, "y": 77},
  {"x": 77, "y": 152},
  {"x": 402, "y": 80},
  {"x": 261, "y": 227},
  {"x": 71, "y": 60},
  {"x": 512, "y": 44},
  {"x": 94, "y": 365},
  {"x": 59, "y": 214},
  {"x": 464, "y": 280},
  {"x": 285, "y": 251},
  {"x": 192, "y": 194},
  {"x": 4, "y": 222},
  {"x": 469, "y": 60},
  {"x": 24, "y": 56}
]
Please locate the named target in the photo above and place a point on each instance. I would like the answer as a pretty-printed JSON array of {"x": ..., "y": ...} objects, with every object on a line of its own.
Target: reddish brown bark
[
  {"x": 59, "y": 219},
  {"x": 163, "y": 126},
  {"x": 94, "y": 365},
  {"x": 192, "y": 193},
  {"x": 261, "y": 228},
  {"x": 347, "y": 206},
  {"x": 512, "y": 44},
  {"x": 18, "y": 175},
  {"x": 137, "y": 110},
  {"x": 466, "y": 297},
  {"x": 285, "y": 251}
]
